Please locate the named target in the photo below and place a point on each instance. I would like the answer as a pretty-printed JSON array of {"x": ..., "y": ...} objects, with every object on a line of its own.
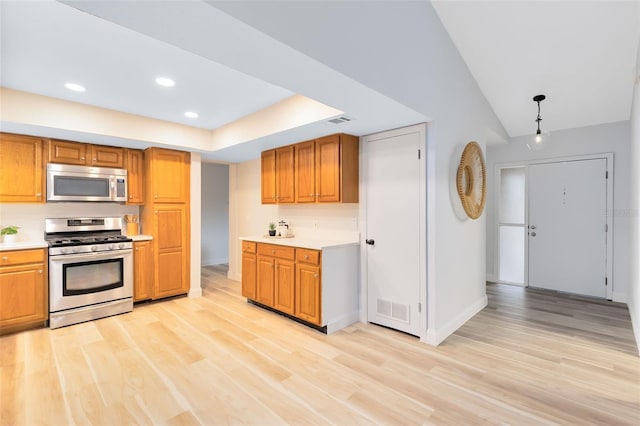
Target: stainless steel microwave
[{"x": 83, "y": 183}]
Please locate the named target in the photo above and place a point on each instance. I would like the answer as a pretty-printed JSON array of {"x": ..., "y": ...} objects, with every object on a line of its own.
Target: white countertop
[
  {"x": 23, "y": 245},
  {"x": 141, "y": 237},
  {"x": 316, "y": 242}
]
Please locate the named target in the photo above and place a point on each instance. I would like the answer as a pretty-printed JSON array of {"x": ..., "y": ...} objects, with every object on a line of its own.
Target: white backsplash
[
  {"x": 30, "y": 217},
  {"x": 318, "y": 220}
]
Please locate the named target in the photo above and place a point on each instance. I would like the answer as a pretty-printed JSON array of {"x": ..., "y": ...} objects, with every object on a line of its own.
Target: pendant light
[{"x": 540, "y": 139}]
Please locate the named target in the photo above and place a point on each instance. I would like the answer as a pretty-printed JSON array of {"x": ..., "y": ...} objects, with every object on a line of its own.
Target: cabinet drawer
[
  {"x": 21, "y": 256},
  {"x": 277, "y": 251},
  {"x": 308, "y": 256},
  {"x": 248, "y": 247}
]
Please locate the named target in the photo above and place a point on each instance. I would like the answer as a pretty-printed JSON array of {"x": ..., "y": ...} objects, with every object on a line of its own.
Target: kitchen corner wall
[
  {"x": 248, "y": 217},
  {"x": 30, "y": 217}
]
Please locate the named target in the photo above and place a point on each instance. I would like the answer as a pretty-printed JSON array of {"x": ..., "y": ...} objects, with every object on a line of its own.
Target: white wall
[
  {"x": 612, "y": 137},
  {"x": 251, "y": 218},
  {"x": 417, "y": 65},
  {"x": 30, "y": 217},
  {"x": 215, "y": 214},
  {"x": 634, "y": 283}
]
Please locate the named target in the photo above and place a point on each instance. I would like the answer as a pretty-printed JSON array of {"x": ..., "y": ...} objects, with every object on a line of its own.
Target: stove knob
[
  {"x": 94, "y": 248},
  {"x": 75, "y": 249},
  {"x": 63, "y": 250},
  {"x": 121, "y": 245}
]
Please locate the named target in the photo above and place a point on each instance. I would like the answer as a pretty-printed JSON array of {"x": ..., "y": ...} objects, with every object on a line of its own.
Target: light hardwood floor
[{"x": 529, "y": 358}]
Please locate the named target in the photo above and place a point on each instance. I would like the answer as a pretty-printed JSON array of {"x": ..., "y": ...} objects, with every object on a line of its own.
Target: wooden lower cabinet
[
  {"x": 23, "y": 289},
  {"x": 273, "y": 278},
  {"x": 284, "y": 286},
  {"x": 308, "y": 293},
  {"x": 142, "y": 270},
  {"x": 249, "y": 281}
]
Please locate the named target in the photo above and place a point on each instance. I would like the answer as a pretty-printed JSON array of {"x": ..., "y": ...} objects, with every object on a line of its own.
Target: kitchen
[{"x": 209, "y": 358}]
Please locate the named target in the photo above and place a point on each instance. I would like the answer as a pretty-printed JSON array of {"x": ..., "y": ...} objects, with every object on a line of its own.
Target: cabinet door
[
  {"x": 308, "y": 293},
  {"x": 69, "y": 152},
  {"x": 22, "y": 295},
  {"x": 328, "y": 169},
  {"x": 268, "y": 177},
  {"x": 285, "y": 192},
  {"x": 249, "y": 282},
  {"x": 305, "y": 176},
  {"x": 142, "y": 270},
  {"x": 266, "y": 280},
  {"x": 284, "y": 286},
  {"x": 134, "y": 165},
  {"x": 107, "y": 156},
  {"x": 169, "y": 180},
  {"x": 170, "y": 244},
  {"x": 21, "y": 177}
]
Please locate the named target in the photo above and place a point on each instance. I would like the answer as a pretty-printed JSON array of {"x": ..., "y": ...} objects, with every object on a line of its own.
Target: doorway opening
[{"x": 215, "y": 214}]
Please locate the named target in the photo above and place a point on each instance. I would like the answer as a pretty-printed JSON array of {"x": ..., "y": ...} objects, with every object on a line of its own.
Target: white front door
[
  {"x": 394, "y": 256},
  {"x": 567, "y": 226}
]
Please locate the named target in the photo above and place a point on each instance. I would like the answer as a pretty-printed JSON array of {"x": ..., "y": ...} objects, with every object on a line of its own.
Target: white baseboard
[
  {"x": 234, "y": 276},
  {"x": 195, "y": 292},
  {"x": 436, "y": 336},
  {"x": 342, "y": 322},
  {"x": 635, "y": 325},
  {"x": 215, "y": 261},
  {"x": 619, "y": 297},
  {"x": 491, "y": 278}
]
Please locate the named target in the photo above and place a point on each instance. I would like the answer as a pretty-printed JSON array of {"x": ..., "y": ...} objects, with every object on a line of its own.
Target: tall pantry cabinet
[{"x": 165, "y": 216}]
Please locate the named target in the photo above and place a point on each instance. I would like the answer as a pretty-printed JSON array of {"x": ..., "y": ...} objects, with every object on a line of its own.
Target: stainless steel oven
[{"x": 90, "y": 269}]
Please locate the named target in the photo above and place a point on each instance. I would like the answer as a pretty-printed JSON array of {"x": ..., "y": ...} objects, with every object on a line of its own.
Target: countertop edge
[
  {"x": 141, "y": 237},
  {"x": 308, "y": 243},
  {"x": 23, "y": 245}
]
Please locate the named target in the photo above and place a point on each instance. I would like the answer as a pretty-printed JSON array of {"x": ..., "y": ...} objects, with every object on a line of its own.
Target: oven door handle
[{"x": 66, "y": 258}]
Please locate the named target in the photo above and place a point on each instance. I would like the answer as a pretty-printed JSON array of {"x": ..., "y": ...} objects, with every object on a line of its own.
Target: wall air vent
[{"x": 339, "y": 120}]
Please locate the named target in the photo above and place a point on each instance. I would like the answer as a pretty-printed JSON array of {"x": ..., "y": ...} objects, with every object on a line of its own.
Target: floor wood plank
[{"x": 530, "y": 357}]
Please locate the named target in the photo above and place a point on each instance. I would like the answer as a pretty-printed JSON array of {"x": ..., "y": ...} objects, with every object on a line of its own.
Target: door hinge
[
  {"x": 606, "y": 227},
  {"x": 418, "y": 154},
  {"x": 606, "y": 281},
  {"x": 606, "y": 174},
  {"x": 419, "y": 307}
]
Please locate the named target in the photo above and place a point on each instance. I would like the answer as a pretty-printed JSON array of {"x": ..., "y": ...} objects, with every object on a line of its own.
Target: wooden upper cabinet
[
  {"x": 21, "y": 169},
  {"x": 305, "y": 175},
  {"x": 268, "y": 176},
  {"x": 325, "y": 170},
  {"x": 134, "y": 163},
  {"x": 167, "y": 175},
  {"x": 106, "y": 156},
  {"x": 66, "y": 152},
  {"x": 285, "y": 192},
  {"x": 83, "y": 154}
]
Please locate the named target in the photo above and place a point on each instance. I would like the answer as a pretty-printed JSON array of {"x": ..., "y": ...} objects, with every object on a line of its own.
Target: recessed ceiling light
[
  {"x": 166, "y": 82},
  {"x": 191, "y": 114},
  {"x": 75, "y": 87}
]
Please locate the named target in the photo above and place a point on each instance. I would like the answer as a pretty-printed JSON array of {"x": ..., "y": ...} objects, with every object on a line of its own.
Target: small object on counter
[
  {"x": 9, "y": 234},
  {"x": 272, "y": 229},
  {"x": 132, "y": 224}
]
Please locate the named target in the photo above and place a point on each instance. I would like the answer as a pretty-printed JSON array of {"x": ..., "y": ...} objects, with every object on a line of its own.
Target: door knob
[
  {"x": 370, "y": 242},
  {"x": 533, "y": 234},
  {"x": 533, "y": 227}
]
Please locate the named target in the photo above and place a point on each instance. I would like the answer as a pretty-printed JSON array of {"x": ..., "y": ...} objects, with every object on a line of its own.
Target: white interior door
[
  {"x": 393, "y": 229},
  {"x": 567, "y": 226}
]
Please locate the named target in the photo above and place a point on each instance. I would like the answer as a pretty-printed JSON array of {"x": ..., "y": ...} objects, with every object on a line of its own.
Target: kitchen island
[{"x": 312, "y": 280}]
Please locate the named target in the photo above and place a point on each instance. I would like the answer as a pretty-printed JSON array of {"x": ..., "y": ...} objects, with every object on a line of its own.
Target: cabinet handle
[
  {"x": 155, "y": 196},
  {"x": 39, "y": 271},
  {"x": 5, "y": 257},
  {"x": 306, "y": 256},
  {"x": 315, "y": 275},
  {"x": 130, "y": 196},
  {"x": 310, "y": 195},
  {"x": 95, "y": 159},
  {"x": 38, "y": 195},
  {"x": 273, "y": 252},
  {"x": 82, "y": 158}
]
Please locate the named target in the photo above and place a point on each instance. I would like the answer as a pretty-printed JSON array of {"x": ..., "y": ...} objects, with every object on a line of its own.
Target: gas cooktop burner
[{"x": 91, "y": 239}]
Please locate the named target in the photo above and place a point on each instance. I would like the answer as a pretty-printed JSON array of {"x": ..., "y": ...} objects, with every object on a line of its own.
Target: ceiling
[{"x": 580, "y": 54}]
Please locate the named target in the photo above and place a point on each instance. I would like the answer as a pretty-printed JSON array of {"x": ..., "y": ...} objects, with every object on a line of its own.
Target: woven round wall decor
[{"x": 471, "y": 180}]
